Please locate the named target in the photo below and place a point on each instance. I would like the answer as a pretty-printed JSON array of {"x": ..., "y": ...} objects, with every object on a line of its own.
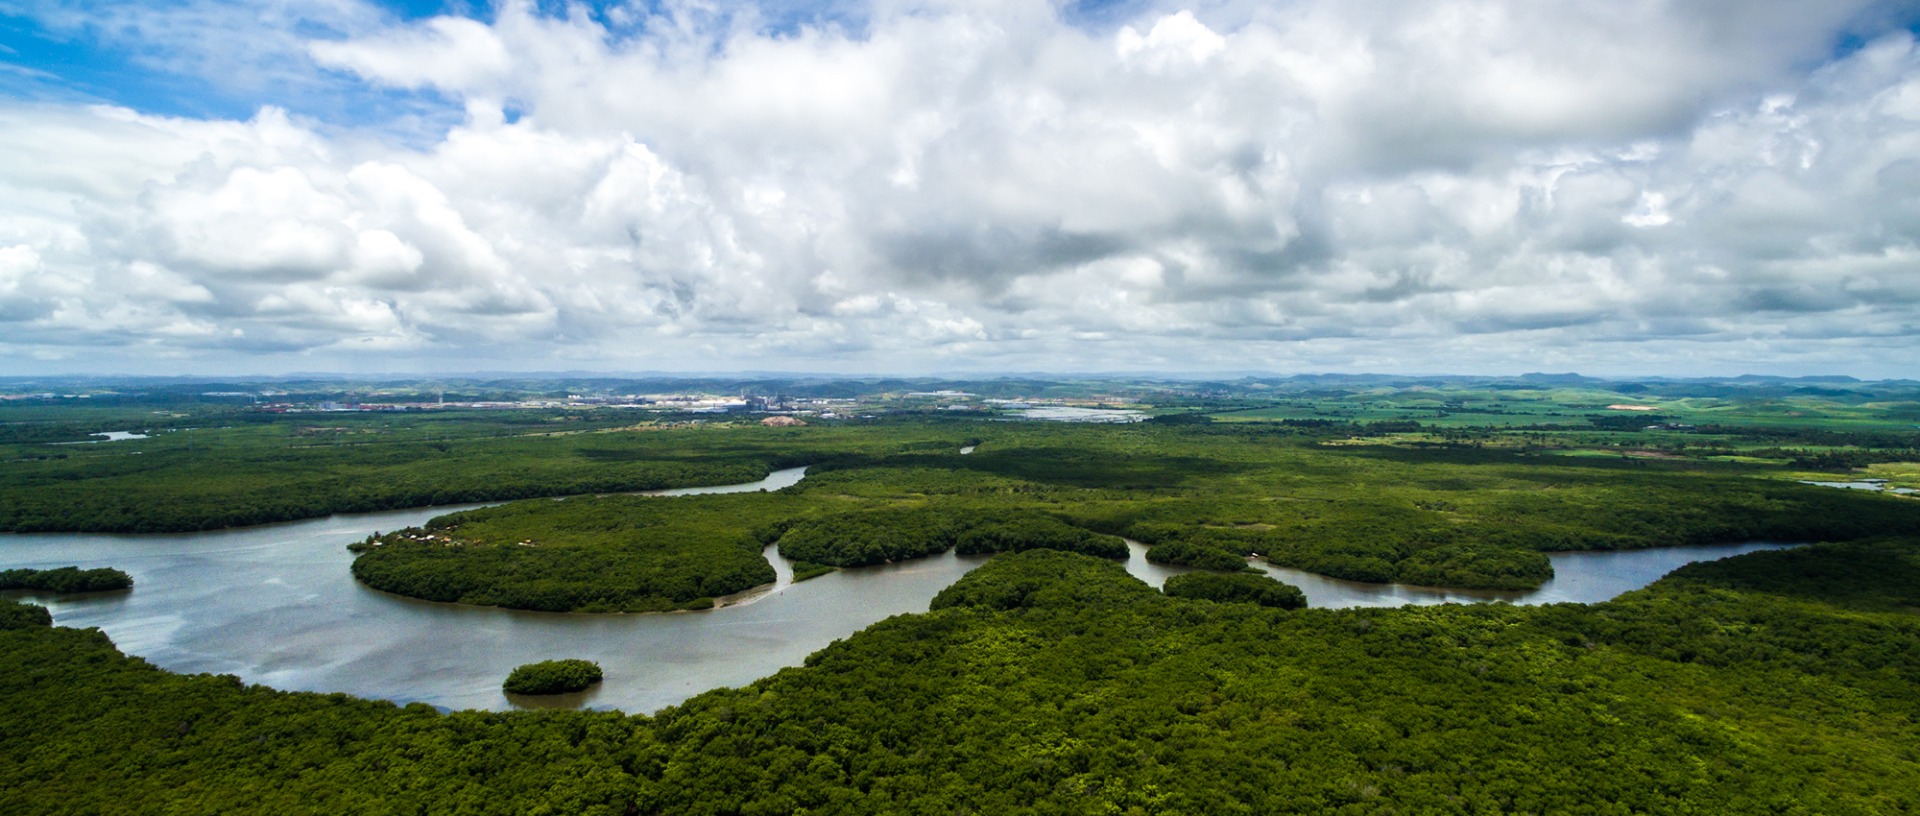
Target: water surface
[
  {"x": 1067, "y": 414},
  {"x": 1578, "y": 577},
  {"x": 277, "y": 605},
  {"x": 1875, "y": 485}
]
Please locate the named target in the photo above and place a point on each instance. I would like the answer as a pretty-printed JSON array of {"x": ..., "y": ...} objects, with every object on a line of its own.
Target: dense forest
[
  {"x": 593, "y": 554},
  {"x": 1046, "y": 682},
  {"x": 259, "y": 471},
  {"x": 1236, "y": 588},
  {"x": 65, "y": 579},
  {"x": 1202, "y": 496}
]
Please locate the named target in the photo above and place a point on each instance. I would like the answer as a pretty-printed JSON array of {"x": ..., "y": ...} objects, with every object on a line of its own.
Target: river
[{"x": 277, "y": 605}]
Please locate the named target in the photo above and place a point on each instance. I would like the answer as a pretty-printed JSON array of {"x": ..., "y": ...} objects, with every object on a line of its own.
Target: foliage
[
  {"x": 65, "y": 579},
  {"x": 1043, "y": 578},
  {"x": 267, "y": 468},
  {"x": 1197, "y": 551},
  {"x": 1379, "y": 495},
  {"x": 1236, "y": 588},
  {"x": 1475, "y": 564},
  {"x": 803, "y": 570},
  {"x": 1207, "y": 496},
  {"x": 1190, "y": 418},
  {"x": 1049, "y": 682},
  {"x": 590, "y": 554},
  {"x": 552, "y": 677},
  {"x": 90, "y": 731},
  {"x": 872, "y": 536},
  {"x": 20, "y": 616},
  {"x": 1015, "y": 532}
]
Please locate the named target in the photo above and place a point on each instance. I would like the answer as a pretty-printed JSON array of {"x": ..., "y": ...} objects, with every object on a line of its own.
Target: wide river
[{"x": 277, "y": 605}]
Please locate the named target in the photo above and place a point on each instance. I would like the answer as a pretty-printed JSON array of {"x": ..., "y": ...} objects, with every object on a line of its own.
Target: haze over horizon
[{"x": 1715, "y": 188}]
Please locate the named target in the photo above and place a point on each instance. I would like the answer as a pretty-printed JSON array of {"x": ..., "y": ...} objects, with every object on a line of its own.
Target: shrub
[{"x": 552, "y": 677}]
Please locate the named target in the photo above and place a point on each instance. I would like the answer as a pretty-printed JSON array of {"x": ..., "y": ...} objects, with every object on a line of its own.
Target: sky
[{"x": 1636, "y": 187}]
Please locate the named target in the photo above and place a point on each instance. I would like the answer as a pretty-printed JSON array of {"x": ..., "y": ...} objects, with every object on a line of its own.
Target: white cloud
[
  {"x": 444, "y": 52},
  {"x": 1399, "y": 185}
]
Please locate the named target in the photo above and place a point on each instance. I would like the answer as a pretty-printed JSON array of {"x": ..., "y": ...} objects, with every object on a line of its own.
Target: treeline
[
  {"x": 870, "y": 536},
  {"x": 1046, "y": 682},
  {"x": 1839, "y": 460},
  {"x": 1210, "y": 496},
  {"x": 214, "y": 500},
  {"x": 281, "y": 468},
  {"x": 1236, "y": 588},
  {"x": 1817, "y": 437},
  {"x": 1489, "y": 527},
  {"x": 1018, "y": 532},
  {"x": 65, "y": 579},
  {"x": 641, "y": 554},
  {"x": 898, "y": 533},
  {"x": 1201, "y": 496},
  {"x": 584, "y": 554},
  {"x": 46, "y": 433}
]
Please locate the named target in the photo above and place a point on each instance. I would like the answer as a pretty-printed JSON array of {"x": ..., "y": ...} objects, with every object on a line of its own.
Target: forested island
[
  {"x": 552, "y": 677},
  {"x": 1048, "y": 680},
  {"x": 66, "y": 579},
  {"x": 1208, "y": 496}
]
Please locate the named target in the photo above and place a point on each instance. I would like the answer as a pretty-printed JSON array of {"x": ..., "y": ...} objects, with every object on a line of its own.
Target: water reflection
[
  {"x": 277, "y": 605},
  {"x": 1872, "y": 485},
  {"x": 1578, "y": 577}
]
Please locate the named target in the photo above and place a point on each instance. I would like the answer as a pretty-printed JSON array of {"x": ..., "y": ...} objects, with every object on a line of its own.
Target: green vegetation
[
  {"x": 1236, "y": 588},
  {"x": 1040, "y": 579},
  {"x": 172, "y": 489},
  {"x": 1048, "y": 682},
  {"x": 1330, "y": 499},
  {"x": 1017, "y": 532},
  {"x": 651, "y": 554},
  {"x": 65, "y": 579},
  {"x": 22, "y": 616},
  {"x": 552, "y": 677},
  {"x": 871, "y": 536},
  {"x": 591, "y": 554},
  {"x": 1368, "y": 479},
  {"x": 971, "y": 528},
  {"x": 803, "y": 570},
  {"x": 267, "y": 467}
]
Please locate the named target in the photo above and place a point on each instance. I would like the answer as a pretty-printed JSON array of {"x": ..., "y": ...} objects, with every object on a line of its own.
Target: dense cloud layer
[{"x": 1642, "y": 186}]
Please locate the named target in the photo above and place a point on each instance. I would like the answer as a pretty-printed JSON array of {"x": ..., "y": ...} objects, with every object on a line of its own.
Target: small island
[
  {"x": 552, "y": 677},
  {"x": 66, "y": 579}
]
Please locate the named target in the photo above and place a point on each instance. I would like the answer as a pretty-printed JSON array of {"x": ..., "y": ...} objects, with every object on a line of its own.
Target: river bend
[{"x": 276, "y": 604}]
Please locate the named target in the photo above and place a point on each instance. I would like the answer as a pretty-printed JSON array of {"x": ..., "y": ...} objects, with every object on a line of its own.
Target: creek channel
[{"x": 276, "y": 605}]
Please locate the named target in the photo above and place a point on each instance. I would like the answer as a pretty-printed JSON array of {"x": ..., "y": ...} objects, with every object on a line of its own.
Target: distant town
[{"x": 666, "y": 403}]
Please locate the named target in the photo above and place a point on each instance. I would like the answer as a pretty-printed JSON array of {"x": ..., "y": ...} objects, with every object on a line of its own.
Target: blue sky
[
  {"x": 54, "y": 59},
  {"x": 1489, "y": 185}
]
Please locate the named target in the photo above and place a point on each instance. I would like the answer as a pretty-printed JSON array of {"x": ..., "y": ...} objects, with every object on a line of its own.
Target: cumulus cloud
[{"x": 1484, "y": 184}]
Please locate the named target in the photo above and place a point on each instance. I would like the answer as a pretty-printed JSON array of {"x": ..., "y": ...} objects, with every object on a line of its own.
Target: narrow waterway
[{"x": 277, "y": 605}]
